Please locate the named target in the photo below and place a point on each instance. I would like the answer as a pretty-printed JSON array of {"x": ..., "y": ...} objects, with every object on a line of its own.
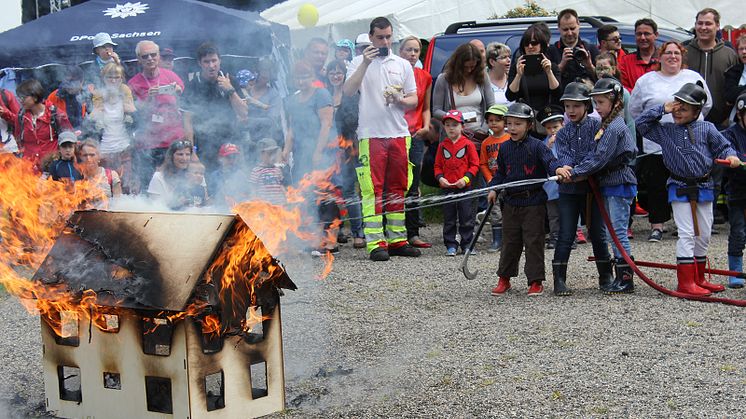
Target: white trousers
[{"x": 688, "y": 245}]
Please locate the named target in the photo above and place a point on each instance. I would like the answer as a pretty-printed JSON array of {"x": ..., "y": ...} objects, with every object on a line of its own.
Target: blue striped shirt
[
  {"x": 574, "y": 142},
  {"x": 611, "y": 157},
  {"x": 684, "y": 156},
  {"x": 526, "y": 159},
  {"x": 736, "y": 188}
]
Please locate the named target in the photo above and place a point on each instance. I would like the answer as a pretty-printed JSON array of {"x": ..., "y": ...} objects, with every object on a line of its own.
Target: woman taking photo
[
  {"x": 464, "y": 86},
  {"x": 654, "y": 89},
  {"x": 418, "y": 120},
  {"x": 498, "y": 65},
  {"x": 533, "y": 78}
]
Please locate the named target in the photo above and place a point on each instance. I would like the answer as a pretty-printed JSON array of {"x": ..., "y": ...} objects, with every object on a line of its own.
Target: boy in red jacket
[{"x": 456, "y": 166}]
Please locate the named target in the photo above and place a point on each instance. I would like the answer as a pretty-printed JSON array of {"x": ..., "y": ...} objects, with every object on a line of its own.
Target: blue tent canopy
[{"x": 66, "y": 37}]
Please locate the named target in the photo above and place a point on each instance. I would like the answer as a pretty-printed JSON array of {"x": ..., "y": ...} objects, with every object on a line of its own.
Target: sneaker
[
  {"x": 552, "y": 244},
  {"x": 536, "y": 288},
  {"x": 322, "y": 251},
  {"x": 494, "y": 248},
  {"x": 503, "y": 285},
  {"x": 418, "y": 242},
  {"x": 655, "y": 236},
  {"x": 639, "y": 212},
  {"x": 379, "y": 255},
  {"x": 451, "y": 251},
  {"x": 407, "y": 251},
  {"x": 629, "y": 234},
  {"x": 474, "y": 252},
  {"x": 480, "y": 217},
  {"x": 580, "y": 238}
]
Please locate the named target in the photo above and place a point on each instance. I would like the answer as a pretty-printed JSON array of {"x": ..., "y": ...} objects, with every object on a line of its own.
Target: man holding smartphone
[
  {"x": 387, "y": 89},
  {"x": 212, "y": 105}
]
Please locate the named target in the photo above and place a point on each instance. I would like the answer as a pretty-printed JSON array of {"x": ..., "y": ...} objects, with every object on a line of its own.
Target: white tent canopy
[{"x": 424, "y": 18}]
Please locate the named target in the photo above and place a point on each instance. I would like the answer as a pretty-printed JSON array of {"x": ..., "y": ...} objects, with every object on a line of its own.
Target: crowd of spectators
[{"x": 215, "y": 138}]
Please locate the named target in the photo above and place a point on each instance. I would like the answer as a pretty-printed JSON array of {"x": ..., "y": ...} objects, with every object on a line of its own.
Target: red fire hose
[
  {"x": 641, "y": 274},
  {"x": 673, "y": 267}
]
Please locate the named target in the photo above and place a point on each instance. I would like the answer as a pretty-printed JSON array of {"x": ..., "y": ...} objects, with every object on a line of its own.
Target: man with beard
[
  {"x": 212, "y": 105},
  {"x": 577, "y": 57},
  {"x": 710, "y": 57}
]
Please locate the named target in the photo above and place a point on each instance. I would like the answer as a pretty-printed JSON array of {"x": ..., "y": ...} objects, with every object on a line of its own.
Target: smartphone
[
  {"x": 383, "y": 52},
  {"x": 533, "y": 64},
  {"x": 469, "y": 117},
  {"x": 167, "y": 89}
]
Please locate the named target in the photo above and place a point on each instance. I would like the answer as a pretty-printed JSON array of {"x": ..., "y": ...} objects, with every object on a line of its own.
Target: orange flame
[{"x": 34, "y": 213}]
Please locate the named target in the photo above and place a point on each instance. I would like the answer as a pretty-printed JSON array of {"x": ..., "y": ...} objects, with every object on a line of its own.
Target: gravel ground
[{"x": 412, "y": 337}]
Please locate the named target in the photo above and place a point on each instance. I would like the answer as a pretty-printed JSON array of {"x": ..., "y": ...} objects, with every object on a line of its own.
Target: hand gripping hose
[{"x": 641, "y": 274}]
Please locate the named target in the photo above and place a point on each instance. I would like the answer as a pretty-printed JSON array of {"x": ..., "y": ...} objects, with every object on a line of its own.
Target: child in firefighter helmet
[
  {"x": 689, "y": 147},
  {"x": 523, "y": 207}
]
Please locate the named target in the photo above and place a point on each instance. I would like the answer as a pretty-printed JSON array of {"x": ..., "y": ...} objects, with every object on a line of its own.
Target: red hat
[
  {"x": 455, "y": 115},
  {"x": 227, "y": 149}
]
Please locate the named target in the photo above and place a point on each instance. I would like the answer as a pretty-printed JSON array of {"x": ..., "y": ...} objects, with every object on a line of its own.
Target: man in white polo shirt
[{"x": 387, "y": 89}]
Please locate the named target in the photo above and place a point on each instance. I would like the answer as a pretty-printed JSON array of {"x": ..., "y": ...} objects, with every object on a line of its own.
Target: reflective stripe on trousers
[{"x": 384, "y": 165}]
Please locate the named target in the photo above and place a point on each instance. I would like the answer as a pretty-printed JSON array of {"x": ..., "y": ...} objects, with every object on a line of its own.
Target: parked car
[{"x": 510, "y": 31}]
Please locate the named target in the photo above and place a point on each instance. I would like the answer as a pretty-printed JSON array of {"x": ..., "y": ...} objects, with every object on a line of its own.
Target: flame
[{"x": 34, "y": 213}]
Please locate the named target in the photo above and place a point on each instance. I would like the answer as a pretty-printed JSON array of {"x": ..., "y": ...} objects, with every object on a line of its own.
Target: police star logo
[{"x": 126, "y": 10}]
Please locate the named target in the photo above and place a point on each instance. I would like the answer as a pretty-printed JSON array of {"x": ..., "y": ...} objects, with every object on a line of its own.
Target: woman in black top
[{"x": 538, "y": 86}]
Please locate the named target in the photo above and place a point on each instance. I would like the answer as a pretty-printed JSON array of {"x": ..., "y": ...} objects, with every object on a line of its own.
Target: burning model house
[{"x": 153, "y": 315}]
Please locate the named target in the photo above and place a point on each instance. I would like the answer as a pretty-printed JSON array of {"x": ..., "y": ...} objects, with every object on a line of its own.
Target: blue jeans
[
  {"x": 570, "y": 208},
  {"x": 618, "y": 209},
  {"x": 737, "y": 236},
  {"x": 354, "y": 209},
  {"x": 412, "y": 214}
]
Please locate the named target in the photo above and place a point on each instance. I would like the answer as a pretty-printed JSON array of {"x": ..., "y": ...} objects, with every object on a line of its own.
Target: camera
[{"x": 579, "y": 54}]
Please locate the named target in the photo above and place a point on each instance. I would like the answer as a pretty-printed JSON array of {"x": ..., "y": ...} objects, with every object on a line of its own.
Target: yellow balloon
[{"x": 308, "y": 15}]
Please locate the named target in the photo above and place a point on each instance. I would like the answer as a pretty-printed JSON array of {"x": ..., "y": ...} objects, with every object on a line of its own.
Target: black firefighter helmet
[
  {"x": 740, "y": 106},
  {"x": 520, "y": 110},
  {"x": 576, "y": 91},
  {"x": 608, "y": 85},
  {"x": 692, "y": 93}
]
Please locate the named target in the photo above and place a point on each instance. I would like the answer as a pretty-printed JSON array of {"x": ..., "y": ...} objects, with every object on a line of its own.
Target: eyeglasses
[
  {"x": 147, "y": 56},
  {"x": 181, "y": 144},
  {"x": 615, "y": 39},
  {"x": 534, "y": 43},
  {"x": 336, "y": 74},
  {"x": 504, "y": 57}
]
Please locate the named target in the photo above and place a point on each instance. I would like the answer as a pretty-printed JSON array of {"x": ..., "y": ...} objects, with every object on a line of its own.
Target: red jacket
[
  {"x": 454, "y": 160},
  {"x": 38, "y": 140},
  {"x": 9, "y": 109},
  {"x": 633, "y": 67},
  {"x": 55, "y": 99}
]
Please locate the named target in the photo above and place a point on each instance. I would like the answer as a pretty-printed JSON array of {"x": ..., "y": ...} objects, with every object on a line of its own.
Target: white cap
[
  {"x": 362, "y": 39},
  {"x": 101, "y": 39},
  {"x": 67, "y": 137}
]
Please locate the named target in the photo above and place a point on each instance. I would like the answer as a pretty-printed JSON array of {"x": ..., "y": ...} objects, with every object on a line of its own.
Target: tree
[{"x": 530, "y": 9}]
